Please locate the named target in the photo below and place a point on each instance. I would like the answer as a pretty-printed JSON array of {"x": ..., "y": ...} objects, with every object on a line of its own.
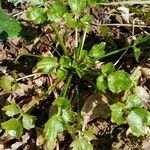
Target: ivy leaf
[
  {"x": 6, "y": 82},
  {"x": 117, "y": 113},
  {"x": 97, "y": 50},
  {"x": 36, "y": 14},
  {"x": 134, "y": 101},
  {"x": 71, "y": 22},
  {"x": 77, "y": 6},
  {"x": 119, "y": 81},
  {"x": 136, "y": 124},
  {"x": 28, "y": 121},
  {"x": 56, "y": 11},
  {"x": 108, "y": 68},
  {"x": 62, "y": 102},
  {"x": 67, "y": 115},
  {"x": 12, "y": 109},
  {"x": 81, "y": 144},
  {"x": 47, "y": 65},
  {"x": 9, "y": 27},
  {"x": 101, "y": 83},
  {"x": 53, "y": 126},
  {"x": 13, "y": 128},
  {"x": 137, "y": 53}
]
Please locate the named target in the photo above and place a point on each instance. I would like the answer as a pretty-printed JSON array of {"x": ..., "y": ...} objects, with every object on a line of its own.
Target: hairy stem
[
  {"x": 76, "y": 34},
  {"x": 116, "y": 51},
  {"x": 31, "y": 55},
  {"x": 59, "y": 37},
  {"x": 36, "y": 101},
  {"x": 82, "y": 42},
  {"x": 65, "y": 90}
]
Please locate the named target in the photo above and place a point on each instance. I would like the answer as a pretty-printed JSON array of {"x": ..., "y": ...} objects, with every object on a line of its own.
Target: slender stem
[
  {"x": 121, "y": 57},
  {"x": 79, "y": 101},
  {"x": 31, "y": 55},
  {"x": 52, "y": 87},
  {"x": 76, "y": 37},
  {"x": 32, "y": 104},
  {"x": 59, "y": 37},
  {"x": 82, "y": 42},
  {"x": 65, "y": 90},
  {"x": 36, "y": 101},
  {"x": 76, "y": 34},
  {"x": 122, "y": 25},
  {"x": 131, "y": 2},
  {"x": 28, "y": 76},
  {"x": 116, "y": 51}
]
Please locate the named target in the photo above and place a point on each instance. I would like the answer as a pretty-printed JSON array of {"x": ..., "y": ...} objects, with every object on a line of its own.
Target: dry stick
[
  {"x": 28, "y": 76},
  {"x": 126, "y": 3},
  {"x": 120, "y": 57},
  {"x": 126, "y": 25}
]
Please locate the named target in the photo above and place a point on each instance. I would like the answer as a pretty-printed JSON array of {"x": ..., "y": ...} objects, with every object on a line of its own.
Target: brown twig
[{"x": 123, "y": 25}]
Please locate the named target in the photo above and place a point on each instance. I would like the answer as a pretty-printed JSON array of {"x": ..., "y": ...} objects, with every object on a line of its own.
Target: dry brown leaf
[
  {"x": 146, "y": 70},
  {"x": 95, "y": 106},
  {"x": 24, "y": 140},
  {"x": 23, "y": 89},
  {"x": 2, "y": 55},
  {"x": 146, "y": 144},
  {"x": 39, "y": 81},
  {"x": 40, "y": 137},
  {"x": 124, "y": 13},
  {"x": 143, "y": 94}
]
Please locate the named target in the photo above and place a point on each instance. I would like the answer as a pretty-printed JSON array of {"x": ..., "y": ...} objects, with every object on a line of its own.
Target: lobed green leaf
[
  {"x": 56, "y": 11},
  {"x": 119, "y": 81},
  {"x": 36, "y": 14},
  {"x": 133, "y": 101},
  {"x": 70, "y": 21},
  {"x": 28, "y": 121},
  {"x": 101, "y": 83},
  {"x": 6, "y": 82},
  {"x": 117, "y": 113},
  {"x": 98, "y": 50},
  {"x": 47, "y": 65},
  {"x": 136, "y": 124},
  {"x": 67, "y": 115},
  {"x": 53, "y": 126},
  {"x": 13, "y": 128},
  {"x": 77, "y": 6},
  {"x": 9, "y": 27},
  {"x": 108, "y": 68},
  {"x": 12, "y": 109},
  {"x": 62, "y": 102},
  {"x": 81, "y": 144},
  {"x": 137, "y": 53}
]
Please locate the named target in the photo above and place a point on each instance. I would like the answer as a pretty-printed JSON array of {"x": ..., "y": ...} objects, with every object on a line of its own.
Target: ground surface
[{"x": 117, "y": 32}]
